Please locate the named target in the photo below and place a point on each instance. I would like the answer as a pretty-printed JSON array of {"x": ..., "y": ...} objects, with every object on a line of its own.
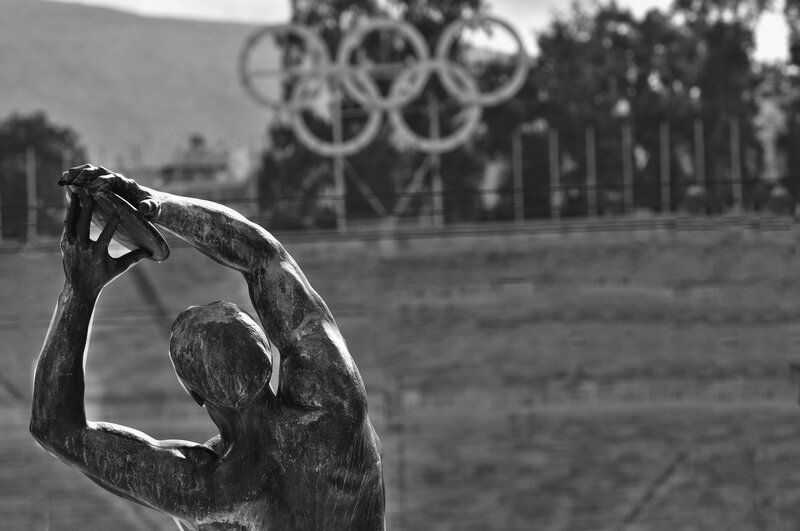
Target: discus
[{"x": 134, "y": 231}]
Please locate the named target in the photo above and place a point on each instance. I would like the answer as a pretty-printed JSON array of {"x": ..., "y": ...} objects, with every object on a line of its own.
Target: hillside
[{"x": 123, "y": 81}]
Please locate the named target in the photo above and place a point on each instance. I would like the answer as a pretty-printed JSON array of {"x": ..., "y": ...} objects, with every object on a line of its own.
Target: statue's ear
[{"x": 197, "y": 398}]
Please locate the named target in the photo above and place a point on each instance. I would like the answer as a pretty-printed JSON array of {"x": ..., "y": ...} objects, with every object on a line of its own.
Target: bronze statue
[{"x": 305, "y": 457}]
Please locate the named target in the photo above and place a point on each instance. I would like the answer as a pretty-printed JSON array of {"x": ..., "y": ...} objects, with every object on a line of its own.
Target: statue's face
[{"x": 220, "y": 355}]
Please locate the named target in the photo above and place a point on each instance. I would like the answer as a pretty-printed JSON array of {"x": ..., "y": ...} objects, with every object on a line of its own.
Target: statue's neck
[{"x": 237, "y": 426}]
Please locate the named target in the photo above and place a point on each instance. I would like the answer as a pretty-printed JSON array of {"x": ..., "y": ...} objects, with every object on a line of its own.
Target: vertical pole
[
  {"x": 591, "y": 172},
  {"x": 666, "y": 199},
  {"x": 338, "y": 166},
  {"x": 555, "y": 174},
  {"x": 516, "y": 148},
  {"x": 699, "y": 153},
  {"x": 341, "y": 190},
  {"x": 32, "y": 201},
  {"x": 627, "y": 167},
  {"x": 436, "y": 169},
  {"x": 736, "y": 165}
]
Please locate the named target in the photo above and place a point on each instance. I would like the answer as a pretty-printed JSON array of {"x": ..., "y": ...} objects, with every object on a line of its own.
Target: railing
[{"x": 465, "y": 210}]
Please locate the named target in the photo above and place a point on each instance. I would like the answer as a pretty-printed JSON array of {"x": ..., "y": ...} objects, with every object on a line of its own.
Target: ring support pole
[
  {"x": 517, "y": 189},
  {"x": 437, "y": 187},
  {"x": 338, "y": 168}
]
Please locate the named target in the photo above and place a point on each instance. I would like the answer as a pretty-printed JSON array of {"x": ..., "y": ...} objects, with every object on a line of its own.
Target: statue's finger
[
  {"x": 86, "y": 177},
  {"x": 85, "y": 219},
  {"x": 127, "y": 260},
  {"x": 108, "y": 232},
  {"x": 69, "y": 176},
  {"x": 73, "y": 210}
]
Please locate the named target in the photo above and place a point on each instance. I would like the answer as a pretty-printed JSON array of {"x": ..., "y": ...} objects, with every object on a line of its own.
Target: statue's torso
[{"x": 316, "y": 476}]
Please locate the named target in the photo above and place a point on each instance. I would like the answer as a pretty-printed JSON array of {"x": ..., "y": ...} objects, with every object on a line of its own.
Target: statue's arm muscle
[
  {"x": 120, "y": 459},
  {"x": 217, "y": 231},
  {"x": 176, "y": 477}
]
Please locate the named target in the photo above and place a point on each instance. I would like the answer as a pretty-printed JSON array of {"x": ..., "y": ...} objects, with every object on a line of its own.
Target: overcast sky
[{"x": 527, "y": 16}]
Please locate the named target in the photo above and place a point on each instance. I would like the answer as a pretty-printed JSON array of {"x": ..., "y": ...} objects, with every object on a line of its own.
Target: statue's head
[{"x": 220, "y": 355}]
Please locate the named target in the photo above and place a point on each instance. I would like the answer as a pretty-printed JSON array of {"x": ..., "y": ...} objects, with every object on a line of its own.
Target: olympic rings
[
  {"x": 356, "y": 80},
  {"x": 315, "y": 49},
  {"x": 499, "y": 94},
  {"x": 462, "y": 132},
  {"x": 346, "y": 147},
  {"x": 353, "y": 42}
]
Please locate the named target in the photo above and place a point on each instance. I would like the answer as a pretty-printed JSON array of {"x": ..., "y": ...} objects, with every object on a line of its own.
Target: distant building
[{"x": 200, "y": 170}]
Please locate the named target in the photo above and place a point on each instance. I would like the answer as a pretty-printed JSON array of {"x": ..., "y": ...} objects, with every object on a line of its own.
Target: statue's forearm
[
  {"x": 217, "y": 231},
  {"x": 58, "y": 390}
]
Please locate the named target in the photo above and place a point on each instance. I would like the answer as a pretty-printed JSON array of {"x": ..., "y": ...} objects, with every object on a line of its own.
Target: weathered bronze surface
[{"x": 305, "y": 457}]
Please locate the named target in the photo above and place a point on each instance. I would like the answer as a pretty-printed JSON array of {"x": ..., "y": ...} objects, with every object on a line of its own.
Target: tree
[
  {"x": 53, "y": 147},
  {"x": 788, "y": 84},
  {"x": 727, "y": 78},
  {"x": 601, "y": 66}
]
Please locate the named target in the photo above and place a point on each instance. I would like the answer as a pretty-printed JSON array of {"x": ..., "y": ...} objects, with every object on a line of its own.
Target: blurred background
[{"x": 573, "y": 306}]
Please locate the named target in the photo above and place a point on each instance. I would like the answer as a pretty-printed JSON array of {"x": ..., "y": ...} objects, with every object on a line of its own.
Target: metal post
[
  {"x": 32, "y": 200},
  {"x": 341, "y": 190},
  {"x": 736, "y": 165},
  {"x": 437, "y": 188},
  {"x": 338, "y": 166},
  {"x": 666, "y": 200},
  {"x": 627, "y": 167},
  {"x": 516, "y": 149},
  {"x": 591, "y": 172},
  {"x": 699, "y": 153},
  {"x": 555, "y": 174}
]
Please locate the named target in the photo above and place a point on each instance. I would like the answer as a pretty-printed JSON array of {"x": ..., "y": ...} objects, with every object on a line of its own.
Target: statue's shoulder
[{"x": 214, "y": 444}]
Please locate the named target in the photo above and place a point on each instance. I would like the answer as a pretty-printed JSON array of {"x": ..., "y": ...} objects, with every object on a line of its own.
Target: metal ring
[
  {"x": 314, "y": 46},
  {"x": 354, "y": 40},
  {"x": 461, "y": 134},
  {"x": 357, "y": 82},
  {"x": 499, "y": 94},
  {"x": 346, "y": 147}
]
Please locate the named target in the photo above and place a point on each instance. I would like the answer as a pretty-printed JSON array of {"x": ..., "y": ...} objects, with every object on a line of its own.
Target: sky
[{"x": 527, "y": 16}]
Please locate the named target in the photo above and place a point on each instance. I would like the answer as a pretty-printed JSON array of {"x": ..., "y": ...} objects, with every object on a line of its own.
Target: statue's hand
[
  {"x": 87, "y": 264},
  {"x": 99, "y": 178}
]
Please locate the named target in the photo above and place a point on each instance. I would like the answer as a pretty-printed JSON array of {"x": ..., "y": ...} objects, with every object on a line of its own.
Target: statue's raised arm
[{"x": 306, "y": 458}]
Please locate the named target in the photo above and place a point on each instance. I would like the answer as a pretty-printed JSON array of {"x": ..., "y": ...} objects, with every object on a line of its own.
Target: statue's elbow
[
  {"x": 40, "y": 430},
  {"x": 52, "y": 436}
]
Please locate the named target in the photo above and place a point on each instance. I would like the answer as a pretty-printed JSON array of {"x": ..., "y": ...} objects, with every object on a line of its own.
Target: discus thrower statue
[{"x": 304, "y": 457}]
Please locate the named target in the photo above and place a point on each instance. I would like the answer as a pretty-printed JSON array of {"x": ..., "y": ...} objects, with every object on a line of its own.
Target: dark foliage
[{"x": 54, "y": 148}]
